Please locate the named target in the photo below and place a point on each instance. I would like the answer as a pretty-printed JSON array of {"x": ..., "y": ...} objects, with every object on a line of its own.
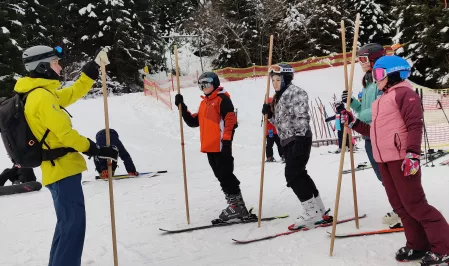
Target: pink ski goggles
[{"x": 379, "y": 74}]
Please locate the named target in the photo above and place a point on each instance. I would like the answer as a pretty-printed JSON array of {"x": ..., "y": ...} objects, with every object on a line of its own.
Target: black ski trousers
[
  {"x": 270, "y": 144},
  {"x": 295, "y": 171},
  {"x": 223, "y": 166}
]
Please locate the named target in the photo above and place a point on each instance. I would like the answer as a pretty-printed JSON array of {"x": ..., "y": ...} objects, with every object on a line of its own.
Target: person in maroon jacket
[
  {"x": 273, "y": 137},
  {"x": 396, "y": 132}
]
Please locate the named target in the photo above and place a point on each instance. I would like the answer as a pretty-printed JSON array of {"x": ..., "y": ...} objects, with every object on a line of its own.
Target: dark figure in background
[
  {"x": 340, "y": 107},
  {"x": 17, "y": 175},
  {"x": 101, "y": 165}
]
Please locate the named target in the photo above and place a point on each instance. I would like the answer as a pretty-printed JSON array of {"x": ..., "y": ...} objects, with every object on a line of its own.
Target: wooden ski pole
[
  {"x": 348, "y": 107},
  {"x": 262, "y": 171},
  {"x": 343, "y": 146},
  {"x": 178, "y": 85},
  {"x": 108, "y": 143}
]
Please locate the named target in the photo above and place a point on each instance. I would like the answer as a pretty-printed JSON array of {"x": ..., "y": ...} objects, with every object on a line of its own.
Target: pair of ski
[
  {"x": 125, "y": 176},
  {"x": 253, "y": 218}
]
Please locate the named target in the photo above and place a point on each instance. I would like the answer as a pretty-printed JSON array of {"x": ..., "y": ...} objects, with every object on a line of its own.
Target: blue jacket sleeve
[{"x": 124, "y": 155}]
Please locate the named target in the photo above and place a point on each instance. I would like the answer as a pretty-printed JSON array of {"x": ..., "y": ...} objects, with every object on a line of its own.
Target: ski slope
[{"x": 150, "y": 132}]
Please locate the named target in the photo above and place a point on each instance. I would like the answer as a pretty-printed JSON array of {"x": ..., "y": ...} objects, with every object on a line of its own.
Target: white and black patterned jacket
[{"x": 291, "y": 115}]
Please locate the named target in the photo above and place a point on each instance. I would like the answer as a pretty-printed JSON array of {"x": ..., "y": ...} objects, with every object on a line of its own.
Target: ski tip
[
  {"x": 162, "y": 171},
  {"x": 282, "y": 216}
]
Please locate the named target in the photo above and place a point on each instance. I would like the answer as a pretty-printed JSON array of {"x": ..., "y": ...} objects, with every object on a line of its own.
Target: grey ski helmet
[
  {"x": 38, "y": 58},
  {"x": 210, "y": 77}
]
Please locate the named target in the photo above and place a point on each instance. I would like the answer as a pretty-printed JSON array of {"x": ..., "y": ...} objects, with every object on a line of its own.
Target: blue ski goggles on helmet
[
  {"x": 57, "y": 51},
  {"x": 205, "y": 83}
]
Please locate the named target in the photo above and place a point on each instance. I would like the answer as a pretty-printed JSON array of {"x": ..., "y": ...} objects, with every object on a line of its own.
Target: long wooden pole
[
  {"x": 178, "y": 85},
  {"x": 343, "y": 147},
  {"x": 108, "y": 143},
  {"x": 265, "y": 119},
  {"x": 351, "y": 148}
]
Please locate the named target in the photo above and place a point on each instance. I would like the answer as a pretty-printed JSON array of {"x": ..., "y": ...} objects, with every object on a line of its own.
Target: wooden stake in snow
[
  {"x": 265, "y": 119},
  {"x": 108, "y": 143},
  {"x": 349, "y": 131},
  {"x": 343, "y": 145},
  {"x": 178, "y": 84}
]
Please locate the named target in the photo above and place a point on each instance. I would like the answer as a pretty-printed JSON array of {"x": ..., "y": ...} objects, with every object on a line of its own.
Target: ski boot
[
  {"x": 310, "y": 215},
  {"x": 392, "y": 220},
  {"x": 405, "y": 254},
  {"x": 17, "y": 182},
  {"x": 434, "y": 259},
  {"x": 236, "y": 209}
]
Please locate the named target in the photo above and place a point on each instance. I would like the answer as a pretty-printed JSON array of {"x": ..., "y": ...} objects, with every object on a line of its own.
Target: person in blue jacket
[
  {"x": 101, "y": 164},
  {"x": 367, "y": 56}
]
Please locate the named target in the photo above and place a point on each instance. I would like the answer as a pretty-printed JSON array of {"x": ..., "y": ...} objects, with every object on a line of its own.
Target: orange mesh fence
[
  {"x": 162, "y": 94},
  {"x": 312, "y": 63},
  {"x": 435, "y": 118}
]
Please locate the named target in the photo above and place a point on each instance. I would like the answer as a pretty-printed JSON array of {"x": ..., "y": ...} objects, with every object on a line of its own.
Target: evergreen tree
[
  {"x": 374, "y": 22},
  {"x": 116, "y": 24},
  {"x": 11, "y": 37},
  {"x": 324, "y": 26},
  {"x": 423, "y": 27}
]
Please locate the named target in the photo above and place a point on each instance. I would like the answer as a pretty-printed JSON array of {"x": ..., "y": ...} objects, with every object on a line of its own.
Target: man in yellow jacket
[{"x": 45, "y": 115}]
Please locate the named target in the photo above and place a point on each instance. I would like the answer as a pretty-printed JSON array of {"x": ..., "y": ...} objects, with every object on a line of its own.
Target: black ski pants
[
  {"x": 223, "y": 166},
  {"x": 270, "y": 144},
  {"x": 295, "y": 171}
]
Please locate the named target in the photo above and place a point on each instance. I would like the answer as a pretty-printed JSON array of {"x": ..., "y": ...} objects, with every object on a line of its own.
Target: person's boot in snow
[
  {"x": 405, "y": 254},
  {"x": 320, "y": 205},
  {"x": 270, "y": 160},
  {"x": 309, "y": 216},
  {"x": 392, "y": 220},
  {"x": 236, "y": 208},
  {"x": 434, "y": 259}
]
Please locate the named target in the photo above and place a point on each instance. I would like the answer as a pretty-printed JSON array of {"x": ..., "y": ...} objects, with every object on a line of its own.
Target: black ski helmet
[
  {"x": 286, "y": 71},
  {"x": 210, "y": 75},
  {"x": 374, "y": 51}
]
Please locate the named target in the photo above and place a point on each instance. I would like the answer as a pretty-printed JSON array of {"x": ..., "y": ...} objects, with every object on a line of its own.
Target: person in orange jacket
[
  {"x": 273, "y": 137},
  {"x": 217, "y": 122}
]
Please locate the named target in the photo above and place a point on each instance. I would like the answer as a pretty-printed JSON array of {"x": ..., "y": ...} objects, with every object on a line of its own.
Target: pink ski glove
[{"x": 410, "y": 165}]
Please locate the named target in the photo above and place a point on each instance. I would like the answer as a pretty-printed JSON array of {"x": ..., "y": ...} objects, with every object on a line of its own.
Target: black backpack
[{"x": 23, "y": 148}]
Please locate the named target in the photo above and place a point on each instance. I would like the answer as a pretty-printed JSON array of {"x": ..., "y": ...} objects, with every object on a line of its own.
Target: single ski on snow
[
  {"x": 121, "y": 177},
  {"x": 360, "y": 167},
  {"x": 322, "y": 223},
  {"x": 219, "y": 223},
  {"x": 368, "y": 233},
  {"x": 20, "y": 188},
  {"x": 124, "y": 176}
]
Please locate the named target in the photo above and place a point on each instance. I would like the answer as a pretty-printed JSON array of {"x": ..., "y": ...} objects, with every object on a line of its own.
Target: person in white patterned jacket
[{"x": 289, "y": 113}]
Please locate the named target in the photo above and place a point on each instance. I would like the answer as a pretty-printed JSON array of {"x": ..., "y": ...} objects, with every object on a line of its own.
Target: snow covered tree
[
  {"x": 324, "y": 26},
  {"x": 374, "y": 21},
  {"x": 11, "y": 37},
  {"x": 116, "y": 24},
  {"x": 423, "y": 28}
]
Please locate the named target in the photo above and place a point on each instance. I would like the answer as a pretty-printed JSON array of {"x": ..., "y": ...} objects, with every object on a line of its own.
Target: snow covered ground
[{"x": 151, "y": 135}]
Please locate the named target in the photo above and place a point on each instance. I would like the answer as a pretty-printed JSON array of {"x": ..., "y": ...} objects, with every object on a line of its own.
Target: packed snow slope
[{"x": 151, "y": 134}]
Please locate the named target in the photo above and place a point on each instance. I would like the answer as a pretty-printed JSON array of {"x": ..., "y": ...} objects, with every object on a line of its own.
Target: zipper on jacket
[
  {"x": 375, "y": 131},
  {"x": 396, "y": 144}
]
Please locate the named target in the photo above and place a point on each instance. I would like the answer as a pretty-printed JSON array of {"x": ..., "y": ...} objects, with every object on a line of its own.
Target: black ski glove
[
  {"x": 91, "y": 70},
  {"x": 101, "y": 152},
  {"x": 266, "y": 110},
  {"x": 298, "y": 147},
  {"x": 180, "y": 100},
  {"x": 226, "y": 149}
]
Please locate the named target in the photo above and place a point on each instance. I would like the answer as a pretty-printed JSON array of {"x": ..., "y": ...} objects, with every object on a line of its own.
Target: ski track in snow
[{"x": 150, "y": 132}]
